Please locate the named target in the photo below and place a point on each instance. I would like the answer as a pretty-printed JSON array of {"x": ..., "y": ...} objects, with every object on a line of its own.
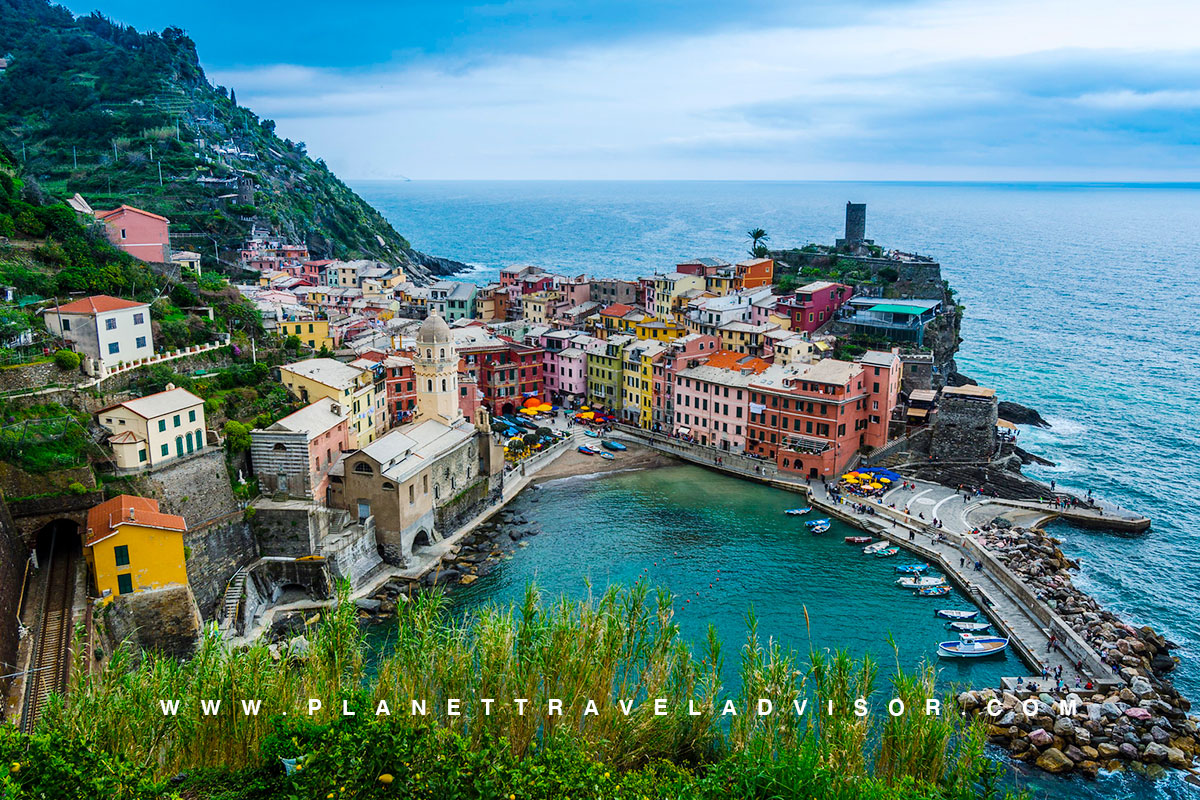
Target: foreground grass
[{"x": 112, "y": 740}]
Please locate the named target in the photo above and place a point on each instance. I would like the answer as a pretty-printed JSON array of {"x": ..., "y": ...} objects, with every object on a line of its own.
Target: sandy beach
[{"x": 575, "y": 463}]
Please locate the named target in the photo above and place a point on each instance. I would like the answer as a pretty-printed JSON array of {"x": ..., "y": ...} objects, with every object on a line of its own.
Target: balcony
[{"x": 805, "y": 444}]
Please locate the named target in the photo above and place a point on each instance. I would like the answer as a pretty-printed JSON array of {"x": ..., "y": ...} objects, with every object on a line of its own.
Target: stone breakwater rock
[{"x": 1144, "y": 724}]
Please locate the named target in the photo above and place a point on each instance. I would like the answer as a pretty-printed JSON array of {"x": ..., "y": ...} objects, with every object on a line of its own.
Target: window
[
  {"x": 110, "y": 324},
  {"x": 412, "y": 493},
  {"x": 141, "y": 341},
  {"x": 177, "y": 421},
  {"x": 66, "y": 324},
  {"x": 192, "y": 415},
  {"x": 122, "y": 233},
  {"x": 113, "y": 348},
  {"x": 141, "y": 455},
  {"x": 125, "y": 583},
  {"x": 162, "y": 425},
  {"x": 121, "y": 555},
  {"x": 363, "y": 468},
  {"x": 389, "y": 487},
  {"x": 139, "y": 318},
  {"x": 166, "y": 449}
]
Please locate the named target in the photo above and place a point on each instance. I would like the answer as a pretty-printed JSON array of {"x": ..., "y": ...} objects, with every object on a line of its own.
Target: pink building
[
  {"x": 565, "y": 364},
  {"x": 686, "y": 351},
  {"x": 712, "y": 400},
  {"x": 141, "y": 234},
  {"x": 294, "y": 455},
  {"x": 813, "y": 305}
]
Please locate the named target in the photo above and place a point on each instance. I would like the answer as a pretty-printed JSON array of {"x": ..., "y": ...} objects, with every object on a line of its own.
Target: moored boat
[
  {"x": 858, "y": 539},
  {"x": 824, "y": 526},
  {"x": 812, "y": 523},
  {"x": 972, "y": 646},
  {"x": 968, "y": 627},
  {"x": 914, "y": 582},
  {"x": 614, "y": 445},
  {"x": 911, "y": 569},
  {"x": 593, "y": 434},
  {"x": 607, "y": 456},
  {"x": 955, "y": 614},
  {"x": 797, "y": 512},
  {"x": 933, "y": 591},
  {"x": 887, "y": 552},
  {"x": 872, "y": 549},
  {"x": 587, "y": 450}
]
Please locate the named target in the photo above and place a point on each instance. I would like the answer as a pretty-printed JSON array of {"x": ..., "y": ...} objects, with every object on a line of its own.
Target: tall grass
[{"x": 622, "y": 645}]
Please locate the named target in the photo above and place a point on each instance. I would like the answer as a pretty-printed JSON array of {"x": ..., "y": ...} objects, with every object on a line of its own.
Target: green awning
[{"x": 897, "y": 309}]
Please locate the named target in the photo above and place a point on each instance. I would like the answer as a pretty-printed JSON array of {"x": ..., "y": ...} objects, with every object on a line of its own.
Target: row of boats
[{"x": 608, "y": 444}]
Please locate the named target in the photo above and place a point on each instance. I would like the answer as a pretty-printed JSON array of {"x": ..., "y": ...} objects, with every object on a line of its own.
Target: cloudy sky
[{"x": 1093, "y": 90}]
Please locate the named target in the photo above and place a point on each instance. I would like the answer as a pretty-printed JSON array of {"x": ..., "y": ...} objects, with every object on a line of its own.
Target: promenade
[{"x": 1013, "y": 609}]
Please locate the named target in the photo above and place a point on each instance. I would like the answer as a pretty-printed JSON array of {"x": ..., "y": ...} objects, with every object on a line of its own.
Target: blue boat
[
  {"x": 587, "y": 450},
  {"x": 819, "y": 528},
  {"x": 812, "y": 523},
  {"x": 611, "y": 445},
  {"x": 592, "y": 434},
  {"x": 933, "y": 591},
  {"x": 912, "y": 569},
  {"x": 797, "y": 512},
  {"x": 970, "y": 646}
]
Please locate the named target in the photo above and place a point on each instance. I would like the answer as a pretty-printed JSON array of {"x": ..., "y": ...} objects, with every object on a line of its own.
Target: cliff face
[{"x": 121, "y": 116}]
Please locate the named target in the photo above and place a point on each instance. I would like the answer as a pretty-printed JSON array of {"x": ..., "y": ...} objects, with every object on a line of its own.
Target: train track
[{"x": 51, "y": 656}]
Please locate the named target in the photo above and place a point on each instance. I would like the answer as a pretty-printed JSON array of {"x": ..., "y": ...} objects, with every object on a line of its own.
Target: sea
[{"x": 1081, "y": 300}]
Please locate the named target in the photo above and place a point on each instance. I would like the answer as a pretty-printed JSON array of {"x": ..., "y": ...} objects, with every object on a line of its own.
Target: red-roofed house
[
  {"x": 131, "y": 546},
  {"x": 107, "y": 329},
  {"x": 141, "y": 234}
]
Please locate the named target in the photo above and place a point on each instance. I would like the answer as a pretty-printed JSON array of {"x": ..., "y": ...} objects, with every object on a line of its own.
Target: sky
[{"x": 1072, "y": 90}]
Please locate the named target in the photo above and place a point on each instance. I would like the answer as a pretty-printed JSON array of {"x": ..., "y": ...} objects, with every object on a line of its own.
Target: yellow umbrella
[
  {"x": 876, "y": 485},
  {"x": 885, "y": 480},
  {"x": 544, "y": 407},
  {"x": 850, "y": 479},
  {"x": 588, "y": 415},
  {"x": 583, "y": 408},
  {"x": 528, "y": 411}
]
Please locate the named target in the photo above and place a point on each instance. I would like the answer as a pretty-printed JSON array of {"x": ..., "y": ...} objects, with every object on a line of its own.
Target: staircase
[{"x": 234, "y": 592}]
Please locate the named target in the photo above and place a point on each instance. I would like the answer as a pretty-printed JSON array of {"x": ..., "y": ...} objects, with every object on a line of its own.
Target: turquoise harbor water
[{"x": 1082, "y": 301}]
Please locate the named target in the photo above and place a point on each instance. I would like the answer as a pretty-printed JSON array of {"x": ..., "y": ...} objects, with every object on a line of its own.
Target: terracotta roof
[
  {"x": 130, "y": 209},
  {"x": 729, "y": 359},
  {"x": 616, "y": 310},
  {"x": 99, "y": 304},
  {"x": 104, "y": 519}
]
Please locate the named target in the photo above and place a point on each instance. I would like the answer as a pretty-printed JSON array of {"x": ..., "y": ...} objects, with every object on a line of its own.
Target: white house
[
  {"x": 159, "y": 427},
  {"x": 108, "y": 330}
]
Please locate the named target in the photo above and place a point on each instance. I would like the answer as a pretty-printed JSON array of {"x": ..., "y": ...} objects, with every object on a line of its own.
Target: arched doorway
[
  {"x": 422, "y": 539},
  {"x": 507, "y": 409}
]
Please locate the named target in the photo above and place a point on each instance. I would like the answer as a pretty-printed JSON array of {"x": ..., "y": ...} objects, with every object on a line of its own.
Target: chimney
[{"x": 131, "y": 514}]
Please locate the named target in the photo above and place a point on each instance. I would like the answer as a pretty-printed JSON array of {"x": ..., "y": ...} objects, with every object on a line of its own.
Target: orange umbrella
[{"x": 532, "y": 402}]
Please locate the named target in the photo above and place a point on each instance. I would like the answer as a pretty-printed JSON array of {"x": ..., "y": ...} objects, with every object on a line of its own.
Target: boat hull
[
  {"x": 956, "y": 614},
  {"x": 981, "y": 647}
]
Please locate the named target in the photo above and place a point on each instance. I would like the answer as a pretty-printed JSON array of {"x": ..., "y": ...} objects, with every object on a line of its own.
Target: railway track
[{"x": 51, "y": 656}]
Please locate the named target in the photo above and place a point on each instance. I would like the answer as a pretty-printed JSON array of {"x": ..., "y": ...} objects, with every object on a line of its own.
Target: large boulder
[
  {"x": 1064, "y": 727},
  {"x": 1055, "y": 761},
  {"x": 1154, "y": 753},
  {"x": 1040, "y": 738}
]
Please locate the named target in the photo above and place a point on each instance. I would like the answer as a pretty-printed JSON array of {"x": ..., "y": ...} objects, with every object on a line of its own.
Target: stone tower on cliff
[{"x": 436, "y": 370}]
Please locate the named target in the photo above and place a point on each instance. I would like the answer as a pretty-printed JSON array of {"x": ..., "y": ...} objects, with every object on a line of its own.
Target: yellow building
[
  {"x": 154, "y": 429},
  {"x": 654, "y": 330},
  {"x": 352, "y": 387},
  {"x": 721, "y": 283},
  {"x": 131, "y": 546},
  {"x": 535, "y": 307},
  {"x": 667, "y": 291},
  {"x": 637, "y": 377},
  {"x": 605, "y": 364},
  {"x": 311, "y": 332}
]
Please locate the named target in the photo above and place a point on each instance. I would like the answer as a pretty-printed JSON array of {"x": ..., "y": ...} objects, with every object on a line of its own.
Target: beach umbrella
[
  {"x": 584, "y": 408},
  {"x": 533, "y": 402},
  {"x": 545, "y": 407},
  {"x": 588, "y": 415},
  {"x": 875, "y": 485},
  {"x": 528, "y": 411},
  {"x": 850, "y": 478},
  {"x": 885, "y": 480}
]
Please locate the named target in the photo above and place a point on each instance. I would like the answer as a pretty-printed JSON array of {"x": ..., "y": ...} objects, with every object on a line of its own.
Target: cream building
[
  {"x": 152, "y": 430},
  {"x": 435, "y": 368},
  {"x": 352, "y": 387}
]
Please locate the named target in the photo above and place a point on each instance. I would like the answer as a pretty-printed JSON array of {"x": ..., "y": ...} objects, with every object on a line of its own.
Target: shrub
[
  {"x": 237, "y": 436},
  {"x": 66, "y": 360},
  {"x": 75, "y": 487}
]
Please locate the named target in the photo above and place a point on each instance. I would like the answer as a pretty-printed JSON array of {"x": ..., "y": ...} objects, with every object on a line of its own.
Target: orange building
[{"x": 754, "y": 273}]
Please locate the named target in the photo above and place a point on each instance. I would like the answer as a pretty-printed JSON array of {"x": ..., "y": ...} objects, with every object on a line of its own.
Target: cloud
[{"x": 1053, "y": 89}]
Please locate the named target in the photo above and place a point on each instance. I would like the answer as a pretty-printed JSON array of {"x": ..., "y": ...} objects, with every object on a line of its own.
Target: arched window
[
  {"x": 279, "y": 446},
  {"x": 429, "y": 385},
  {"x": 437, "y": 491},
  {"x": 363, "y": 468},
  {"x": 429, "y": 352},
  {"x": 389, "y": 487},
  {"x": 443, "y": 384},
  {"x": 442, "y": 354}
]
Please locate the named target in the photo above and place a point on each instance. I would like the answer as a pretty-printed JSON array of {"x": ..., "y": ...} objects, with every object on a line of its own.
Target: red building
[
  {"x": 813, "y": 305},
  {"x": 505, "y": 372},
  {"x": 810, "y": 419},
  {"x": 141, "y": 234}
]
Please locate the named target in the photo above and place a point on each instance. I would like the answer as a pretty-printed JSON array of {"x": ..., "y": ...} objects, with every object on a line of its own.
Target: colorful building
[
  {"x": 131, "y": 546},
  {"x": 295, "y": 455},
  {"x": 605, "y": 365},
  {"x": 668, "y": 290},
  {"x": 712, "y": 400},
  {"x": 141, "y": 234},
  {"x": 813, "y": 305},
  {"x": 152, "y": 430},
  {"x": 108, "y": 330},
  {"x": 312, "y": 331},
  {"x": 353, "y": 388},
  {"x": 687, "y": 351}
]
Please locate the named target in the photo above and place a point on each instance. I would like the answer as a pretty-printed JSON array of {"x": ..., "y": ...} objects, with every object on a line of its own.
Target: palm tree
[{"x": 757, "y": 237}]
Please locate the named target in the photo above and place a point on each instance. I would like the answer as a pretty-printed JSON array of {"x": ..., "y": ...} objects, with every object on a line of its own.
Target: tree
[
  {"x": 757, "y": 237},
  {"x": 66, "y": 360},
  {"x": 237, "y": 436}
]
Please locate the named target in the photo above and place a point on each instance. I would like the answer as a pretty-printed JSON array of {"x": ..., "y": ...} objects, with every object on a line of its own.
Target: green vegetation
[
  {"x": 121, "y": 116},
  {"x": 44, "y": 438},
  {"x": 111, "y": 740},
  {"x": 243, "y": 392},
  {"x": 66, "y": 360}
]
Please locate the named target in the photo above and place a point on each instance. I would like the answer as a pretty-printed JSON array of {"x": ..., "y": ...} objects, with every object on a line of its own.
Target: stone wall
[
  {"x": 288, "y": 529},
  {"x": 33, "y": 514},
  {"x": 196, "y": 487},
  {"x": 964, "y": 429},
  {"x": 16, "y": 482},
  {"x": 270, "y": 577},
  {"x": 26, "y": 377},
  {"x": 13, "y": 555},
  {"x": 468, "y": 504},
  {"x": 165, "y": 620},
  {"x": 917, "y": 279},
  {"x": 214, "y": 552}
]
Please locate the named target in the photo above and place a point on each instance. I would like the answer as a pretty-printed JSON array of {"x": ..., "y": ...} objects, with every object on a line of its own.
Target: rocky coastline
[{"x": 1145, "y": 726}]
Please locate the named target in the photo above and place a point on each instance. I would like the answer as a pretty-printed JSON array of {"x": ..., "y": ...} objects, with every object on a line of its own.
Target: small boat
[
  {"x": 593, "y": 434},
  {"x": 955, "y": 614},
  {"x": 886, "y": 553},
  {"x": 608, "y": 456},
  {"x": 972, "y": 646},
  {"x": 812, "y": 523},
  {"x": 797, "y": 512},
  {"x": 968, "y": 627},
  {"x": 612, "y": 445},
  {"x": 911, "y": 569},
  {"x": 858, "y": 539},
  {"x": 933, "y": 591},
  {"x": 872, "y": 549},
  {"x": 824, "y": 526},
  {"x": 915, "y": 582},
  {"x": 587, "y": 451}
]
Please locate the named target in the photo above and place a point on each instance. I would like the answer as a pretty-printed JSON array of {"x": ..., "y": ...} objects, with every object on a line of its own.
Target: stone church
[{"x": 418, "y": 482}]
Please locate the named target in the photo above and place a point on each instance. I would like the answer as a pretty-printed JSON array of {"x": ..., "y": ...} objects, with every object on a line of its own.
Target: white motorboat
[
  {"x": 912, "y": 582},
  {"x": 968, "y": 627},
  {"x": 872, "y": 549},
  {"x": 971, "y": 646},
  {"x": 955, "y": 614}
]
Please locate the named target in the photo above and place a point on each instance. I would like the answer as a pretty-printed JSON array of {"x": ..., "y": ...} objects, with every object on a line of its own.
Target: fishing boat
[
  {"x": 824, "y": 526},
  {"x": 933, "y": 591},
  {"x": 915, "y": 582},
  {"x": 587, "y": 450},
  {"x": 858, "y": 539},
  {"x": 872, "y": 549},
  {"x": 593, "y": 434},
  {"x": 607, "y": 456},
  {"x": 955, "y": 614},
  {"x": 911, "y": 569},
  {"x": 888, "y": 552},
  {"x": 968, "y": 627},
  {"x": 812, "y": 523},
  {"x": 612, "y": 445},
  {"x": 971, "y": 646},
  {"x": 798, "y": 512}
]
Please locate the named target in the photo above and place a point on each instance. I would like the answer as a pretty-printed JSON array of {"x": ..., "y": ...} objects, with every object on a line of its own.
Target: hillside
[{"x": 121, "y": 116}]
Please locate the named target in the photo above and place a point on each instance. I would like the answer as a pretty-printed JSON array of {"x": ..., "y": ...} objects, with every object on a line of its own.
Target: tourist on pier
[
  {"x": 962, "y": 562},
  {"x": 1050, "y": 645}
]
